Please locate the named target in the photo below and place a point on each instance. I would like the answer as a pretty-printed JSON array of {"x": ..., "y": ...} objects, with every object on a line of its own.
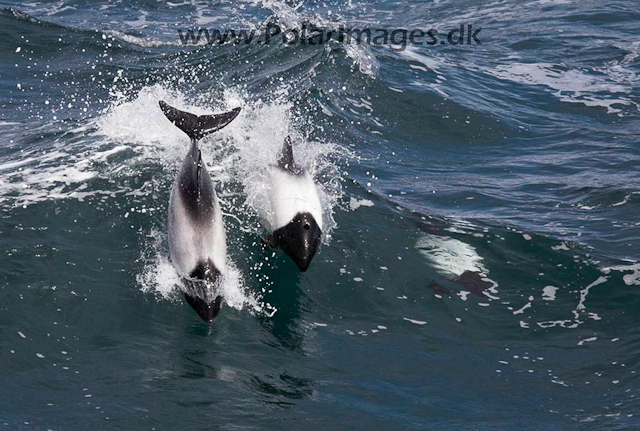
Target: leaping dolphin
[
  {"x": 197, "y": 243},
  {"x": 293, "y": 213}
]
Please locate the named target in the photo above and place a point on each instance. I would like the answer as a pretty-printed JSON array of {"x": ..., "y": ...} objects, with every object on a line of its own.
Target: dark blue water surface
[{"x": 480, "y": 265}]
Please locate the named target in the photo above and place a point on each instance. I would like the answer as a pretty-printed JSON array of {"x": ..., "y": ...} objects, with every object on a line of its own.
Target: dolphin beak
[
  {"x": 206, "y": 310},
  {"x": 300, "y": 239},
  {"x": 303, "y": 261}
]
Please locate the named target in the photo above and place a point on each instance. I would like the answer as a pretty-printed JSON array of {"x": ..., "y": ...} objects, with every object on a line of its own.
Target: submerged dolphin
[
  {"x": 197, "y": 244},
  {"x": 293, "y": 213}
]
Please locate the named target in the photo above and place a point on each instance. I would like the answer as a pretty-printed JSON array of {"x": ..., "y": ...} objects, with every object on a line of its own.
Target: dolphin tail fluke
[
  {"x": 206, "y": 310},
  {"x": 198, "y": 126}
]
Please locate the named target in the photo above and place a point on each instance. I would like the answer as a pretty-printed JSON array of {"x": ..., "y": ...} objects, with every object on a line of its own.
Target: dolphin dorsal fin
[
  {"x": 197, "y": 126},
  {"x": 286, "y": 161}
]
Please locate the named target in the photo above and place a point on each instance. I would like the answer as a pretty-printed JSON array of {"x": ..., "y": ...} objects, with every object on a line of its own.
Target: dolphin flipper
[{"x": 197, "y": 126}]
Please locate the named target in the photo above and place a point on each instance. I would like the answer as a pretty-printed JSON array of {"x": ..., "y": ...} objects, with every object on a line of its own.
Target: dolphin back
[{"x": 197, "y": 126}]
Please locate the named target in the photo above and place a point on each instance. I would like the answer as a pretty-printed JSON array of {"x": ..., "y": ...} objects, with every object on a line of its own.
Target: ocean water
[{"x": 479, "y": 269}]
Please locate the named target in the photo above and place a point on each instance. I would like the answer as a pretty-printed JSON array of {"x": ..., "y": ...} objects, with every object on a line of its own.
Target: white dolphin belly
[{"x": 194, "y": 241}]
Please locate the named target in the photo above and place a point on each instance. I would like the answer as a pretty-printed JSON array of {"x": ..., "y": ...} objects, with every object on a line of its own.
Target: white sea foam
[
  {"x": 57, "y": 174},
  {"x": 584, "y": 292},
  {"x": 415, "y": 322},
  {"x": 604, "y": 87},
  {"x": 148, "y": 42},
  {"x": 629, "y": 279},
  {"x": 573, "y": 86},
  {"x": 562, "y": 246},
  {"x": 524, "y": 307},
  {"x": 549, "y": 293},
  {"x": 587, "y": 340}
]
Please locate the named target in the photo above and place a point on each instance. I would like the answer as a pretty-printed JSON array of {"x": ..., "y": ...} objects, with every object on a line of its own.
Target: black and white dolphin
[
  {"x": 293, "y": 211},
  {"x": 197, "y": 243}
]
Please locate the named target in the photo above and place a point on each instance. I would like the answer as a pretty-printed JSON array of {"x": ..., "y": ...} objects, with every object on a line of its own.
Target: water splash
[
  {"x": 159, "y": 277},
  {"x": 237, "y": 157}
]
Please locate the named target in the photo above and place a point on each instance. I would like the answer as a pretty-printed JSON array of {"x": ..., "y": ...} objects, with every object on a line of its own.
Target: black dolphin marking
[
  {"x": 300, "y": 239},
  {"x": 196, "y": 187},
  {"x": 207, "y": 311},
  {"x": 197, "y": 294}
]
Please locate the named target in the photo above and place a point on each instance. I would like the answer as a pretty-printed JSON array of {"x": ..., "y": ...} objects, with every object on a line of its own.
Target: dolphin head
[{"x": 300, "y": 239}]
